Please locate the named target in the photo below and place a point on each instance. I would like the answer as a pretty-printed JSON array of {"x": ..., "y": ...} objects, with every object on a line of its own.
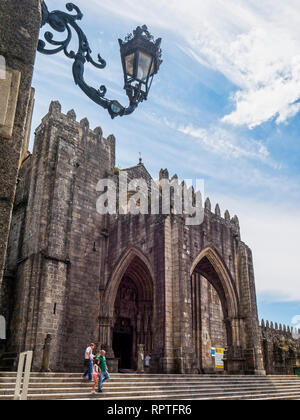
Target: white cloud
[
  {"x": 272, "y": 232},
  {"x": 262, "y": 60},
  {"x": 269, "y": 68},
  {"x": 255, "y": 44},
  {"x": 222, "y": 142}
]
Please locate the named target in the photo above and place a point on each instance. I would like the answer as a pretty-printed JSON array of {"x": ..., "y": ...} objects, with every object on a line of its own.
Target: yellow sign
[{"x": 219, "y": 356}]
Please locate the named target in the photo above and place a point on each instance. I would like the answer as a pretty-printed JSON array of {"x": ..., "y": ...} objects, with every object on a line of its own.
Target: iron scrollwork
[{"x": 61, "y": 22}]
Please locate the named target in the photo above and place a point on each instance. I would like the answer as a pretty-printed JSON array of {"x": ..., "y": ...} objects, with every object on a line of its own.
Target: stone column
[
  {"x": 168, "y": 361},
  {"x": 105, "y": 335},
  {"x": 46, "y": 354},
  {"x": 162, "y": 357},
  {"x": 105, "y": 338},
  {"x": 234, "y": 358},
  {"x": 252, "y": 341}
]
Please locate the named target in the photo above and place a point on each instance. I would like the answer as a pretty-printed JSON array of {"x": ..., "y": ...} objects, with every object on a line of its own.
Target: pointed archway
[
  {"x": 129, "y": 299},
  {"x": 209, "y": 266}
]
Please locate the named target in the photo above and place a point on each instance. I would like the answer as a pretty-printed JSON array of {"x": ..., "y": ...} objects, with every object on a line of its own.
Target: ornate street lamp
[{"x": 140, "y": 55}]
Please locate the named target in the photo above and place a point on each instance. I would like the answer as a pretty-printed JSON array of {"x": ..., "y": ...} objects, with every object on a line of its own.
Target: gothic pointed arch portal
[
  {"x": 130, "y": 297},
  {"x": 215, "y": 307}
]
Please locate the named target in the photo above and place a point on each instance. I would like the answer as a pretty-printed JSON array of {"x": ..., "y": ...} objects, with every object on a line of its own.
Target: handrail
[{"x": 21, "y": 392}]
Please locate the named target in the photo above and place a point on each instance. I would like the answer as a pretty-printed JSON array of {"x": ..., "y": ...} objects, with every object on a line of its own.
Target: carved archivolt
[{"x": 135, "y": 264}]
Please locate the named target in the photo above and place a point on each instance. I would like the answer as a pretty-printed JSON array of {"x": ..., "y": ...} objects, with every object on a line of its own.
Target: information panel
[{"x": 219, "y": 356}]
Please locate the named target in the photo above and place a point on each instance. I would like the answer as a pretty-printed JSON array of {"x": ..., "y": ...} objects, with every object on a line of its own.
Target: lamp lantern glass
[{"x": 141, "y": 58}]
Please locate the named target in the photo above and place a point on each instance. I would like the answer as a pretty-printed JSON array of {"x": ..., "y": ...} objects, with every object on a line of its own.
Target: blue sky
[{"x": 224, "y": 107}]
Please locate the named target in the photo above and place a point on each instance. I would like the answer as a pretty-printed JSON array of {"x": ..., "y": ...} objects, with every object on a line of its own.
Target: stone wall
[
  {"x": 19, "y": 28},
  {"x": 281, "y": 348},
  {"x": 14, "y": 250}
]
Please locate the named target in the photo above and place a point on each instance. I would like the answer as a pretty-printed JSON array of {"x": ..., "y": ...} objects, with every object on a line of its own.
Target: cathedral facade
[
  {"x": 70, "y": 275},
  {"x": 121, "y": 280}
]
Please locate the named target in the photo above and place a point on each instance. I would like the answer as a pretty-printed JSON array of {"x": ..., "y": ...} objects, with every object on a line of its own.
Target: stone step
[
  {"x": 155, "y": 387},
  {"x": 144, "y": 385},
  {"x": 131, "y": 386},
  {"x": 171, "y": 395},
  {"x": 116, "y": 382},
  {"x": 50, "y": 389},
  {"x": 137, "y": 378},
  {"x": 114, "y": 377},
  {"x": 281, "y": 395},
  {"x": 5, "y": 387},
  {"x": 150, "y": 375}
]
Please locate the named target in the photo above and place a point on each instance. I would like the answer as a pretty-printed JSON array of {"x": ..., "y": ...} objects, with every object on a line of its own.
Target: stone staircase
[{"x": 56, "y": 386}]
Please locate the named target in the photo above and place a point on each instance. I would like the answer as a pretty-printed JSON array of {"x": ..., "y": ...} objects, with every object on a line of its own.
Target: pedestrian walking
[
  {"x": 88, "y": 361},
  {"x": 147, "y": 362},
  {"x": 103, "y": 368},
  {"x": 96, "y": 374}
]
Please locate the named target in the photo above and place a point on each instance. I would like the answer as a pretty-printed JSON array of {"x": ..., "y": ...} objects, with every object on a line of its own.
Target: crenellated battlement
[
  {"x": 68, "y": 123},
  {"x": 281, "y": 329},
  {"x": 226, "y": 219}
]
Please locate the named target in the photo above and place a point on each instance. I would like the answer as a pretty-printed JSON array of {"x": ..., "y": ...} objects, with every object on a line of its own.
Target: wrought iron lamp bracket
[{"x": 61, "y": 22}]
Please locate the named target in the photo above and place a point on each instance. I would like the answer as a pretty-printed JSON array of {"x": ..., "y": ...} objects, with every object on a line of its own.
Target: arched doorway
[
  {"x": 214, "y": 310},
  {"x": 126, "y": 307},
  {"x": 209, "y": 326},
  {"x": 132, "y": 302}
]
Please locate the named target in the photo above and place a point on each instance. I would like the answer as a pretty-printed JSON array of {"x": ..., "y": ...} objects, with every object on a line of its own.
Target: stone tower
[{"x": 52, "y": 238}]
